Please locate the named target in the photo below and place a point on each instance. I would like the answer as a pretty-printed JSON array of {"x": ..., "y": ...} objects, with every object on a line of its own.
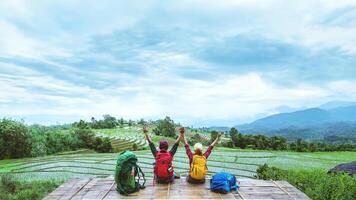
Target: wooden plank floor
[{"x": 105, "y": 188}]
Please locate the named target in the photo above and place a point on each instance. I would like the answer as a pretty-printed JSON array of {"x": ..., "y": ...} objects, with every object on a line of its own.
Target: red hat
[{"x": 163, "y": 144}]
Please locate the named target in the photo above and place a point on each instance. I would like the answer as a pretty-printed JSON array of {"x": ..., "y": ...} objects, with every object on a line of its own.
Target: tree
[
  {"x": 81, "y": 124},
  {"x": 141, "y": 122},
  {"x": 278, "y": 143},
  {"x": 109, "y": 121},
  {"x": 95, "y": 123},
  {"x": 121, "y": 122},
  {"x": 213, "y": 135},
  {"x": 234, "y": 136},
  {"x": 15, "y": 139},
  {"x": 312, "y": 147},
  {"x": 165, "y": 127},
  {"x": 85, "y": 135},
  {"x": 242, "y": 141},
  {"x": 130, "y": 123},
  {"x": 102, "y": 145},
  {"x": 300, "y": 146}
]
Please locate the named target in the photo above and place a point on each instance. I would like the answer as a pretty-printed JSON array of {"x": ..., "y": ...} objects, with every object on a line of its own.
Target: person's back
[
  {"x": 197, "y": 161},
  {"x": 163, "y": 169},
  {"x": 198, "y": 168}
]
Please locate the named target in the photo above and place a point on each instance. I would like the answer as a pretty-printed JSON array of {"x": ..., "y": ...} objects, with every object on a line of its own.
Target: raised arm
[
  {"x": 175, "y": 145},
  {"x": 150, "y": 143},
  {"x": 145, "y": 131},
  {"x": 181, "y": 134},
  {"x": 210, "y": 148},
  {"x": 216, "y": 140},
  {"x": 182, "y": 131},
  {"x": 186, "y": 145}
]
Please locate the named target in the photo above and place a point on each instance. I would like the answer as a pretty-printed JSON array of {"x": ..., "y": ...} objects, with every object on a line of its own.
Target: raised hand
[
  {"x": 182, "y": 131},
  {"x": 216, "y": 139},
  {"x": 145, "y": 130}
]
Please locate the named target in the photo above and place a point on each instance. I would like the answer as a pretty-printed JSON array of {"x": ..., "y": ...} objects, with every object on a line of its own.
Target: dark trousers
[
  {"x": 170, "y": 180},
  {"x": 194, "y": 181}
]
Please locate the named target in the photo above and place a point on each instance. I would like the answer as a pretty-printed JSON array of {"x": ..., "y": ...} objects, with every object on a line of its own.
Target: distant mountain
[
  {"x": 218, "y": 128},
  {"x": 346, "y": 114},
  {"x": 336, "y": 104},
  {"x": 306, "y": 122},
  {"x": 285, "y": 109}
]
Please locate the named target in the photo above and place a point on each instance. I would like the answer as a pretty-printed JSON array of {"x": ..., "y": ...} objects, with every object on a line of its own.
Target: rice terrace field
[{"x": 242, "y": 163}]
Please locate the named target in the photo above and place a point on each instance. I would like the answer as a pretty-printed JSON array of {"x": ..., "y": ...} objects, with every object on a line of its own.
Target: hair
[
  {"x": 163, "y": 145},
  {"x": 198, "y": 152},
  {"x": 198, "y": 148}
]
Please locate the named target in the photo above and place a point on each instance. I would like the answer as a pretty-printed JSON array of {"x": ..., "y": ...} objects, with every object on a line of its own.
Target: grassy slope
[{"x": 76, "y": 165}]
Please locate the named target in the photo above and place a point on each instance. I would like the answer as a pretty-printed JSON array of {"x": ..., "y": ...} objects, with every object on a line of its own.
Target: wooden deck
[{"x": 104, "y": 188}]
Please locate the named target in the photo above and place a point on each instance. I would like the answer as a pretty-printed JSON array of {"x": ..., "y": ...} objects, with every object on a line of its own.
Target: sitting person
[
  {"x": 197, "y": 161},
  {"x": 163, "y": 170}
]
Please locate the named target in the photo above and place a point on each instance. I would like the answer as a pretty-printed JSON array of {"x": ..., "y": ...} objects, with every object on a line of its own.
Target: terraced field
[
  {"x": 241, "y": 163},
  {"x": 121, "y": 140},
  {"x": 120, "y": 144}
]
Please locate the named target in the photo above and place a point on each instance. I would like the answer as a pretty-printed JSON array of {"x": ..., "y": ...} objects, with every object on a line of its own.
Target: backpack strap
[
  {"x": 234, "y": 185},
  {"x": 142, "y": 186},
  {"x": 119, "y": 187}
]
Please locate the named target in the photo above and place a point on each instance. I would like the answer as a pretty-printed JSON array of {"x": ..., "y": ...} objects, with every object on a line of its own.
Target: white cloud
[
  {"x": 46, "y": 32},
  {"x": 235, "y": 96}
]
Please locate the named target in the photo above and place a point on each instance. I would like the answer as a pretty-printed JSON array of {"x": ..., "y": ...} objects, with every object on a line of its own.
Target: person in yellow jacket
[{"x": 197, "y": 161}]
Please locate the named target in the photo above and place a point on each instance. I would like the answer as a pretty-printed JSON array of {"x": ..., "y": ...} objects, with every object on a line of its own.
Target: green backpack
[{"x": 126, "y": 172}]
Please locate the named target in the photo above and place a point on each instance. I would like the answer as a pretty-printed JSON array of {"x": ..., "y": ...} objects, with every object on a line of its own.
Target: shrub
[
  {"x": 265, "y": 172},
  {"x": 13, "y": 189},
  {"x": 103, "y": 145},
  {"x": 8, "y": 183},
  {"x": 315, "y": 182},
  {"x": 134, "y": 147}
]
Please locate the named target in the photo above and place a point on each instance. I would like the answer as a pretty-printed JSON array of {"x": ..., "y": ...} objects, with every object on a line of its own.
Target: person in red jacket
[
  {"x": 163, "y": 170},
  {"x": 198, "y": 154}
]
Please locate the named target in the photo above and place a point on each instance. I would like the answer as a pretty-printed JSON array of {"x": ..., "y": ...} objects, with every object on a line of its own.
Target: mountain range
[{"x": 330, "y": 119}]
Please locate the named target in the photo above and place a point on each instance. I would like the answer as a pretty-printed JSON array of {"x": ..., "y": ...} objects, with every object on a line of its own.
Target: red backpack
[{"x": 164, "y": 168}]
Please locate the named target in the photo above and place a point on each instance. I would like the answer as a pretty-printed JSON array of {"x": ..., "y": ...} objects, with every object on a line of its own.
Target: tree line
[
  {"x": 238, "y": 140},
  {"x": 109, "y": 121},
  {"x": 18, "y": 140}
]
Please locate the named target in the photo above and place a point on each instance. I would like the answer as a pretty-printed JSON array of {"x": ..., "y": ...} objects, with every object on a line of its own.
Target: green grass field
[
  {"x": 242, "y": 163},
  {"x": 82, "y": 163}
]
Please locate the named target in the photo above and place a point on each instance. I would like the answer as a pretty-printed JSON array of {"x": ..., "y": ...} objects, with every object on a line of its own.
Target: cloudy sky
[{"x": 201, "y": 62}]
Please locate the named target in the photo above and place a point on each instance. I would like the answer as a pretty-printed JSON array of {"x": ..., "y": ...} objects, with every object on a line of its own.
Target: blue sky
[{"x": 201, "y": 62}]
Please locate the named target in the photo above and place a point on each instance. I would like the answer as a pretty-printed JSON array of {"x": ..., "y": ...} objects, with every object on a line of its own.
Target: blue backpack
[{"x": 223, "y": 183}]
